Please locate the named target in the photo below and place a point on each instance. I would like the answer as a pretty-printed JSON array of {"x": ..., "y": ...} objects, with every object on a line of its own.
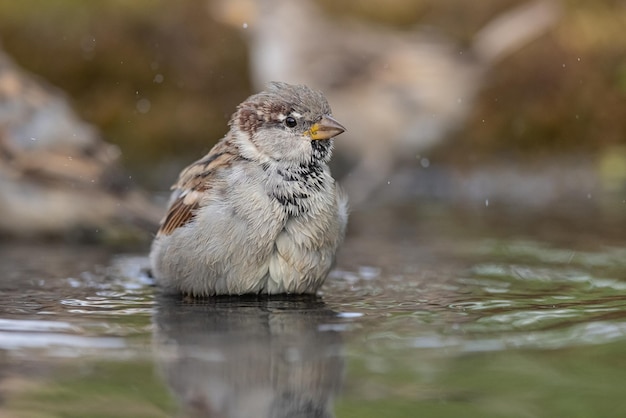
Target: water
[{"x": 432, "y": 311}]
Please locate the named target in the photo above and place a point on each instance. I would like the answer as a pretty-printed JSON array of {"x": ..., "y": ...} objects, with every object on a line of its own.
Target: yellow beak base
[{"x": 326, "y": 128}]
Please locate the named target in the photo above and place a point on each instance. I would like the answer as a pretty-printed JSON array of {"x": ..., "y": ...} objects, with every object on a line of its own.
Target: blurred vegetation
[
  {"x": 162, "y": 78},
  {"x": 565, "y": 93}
]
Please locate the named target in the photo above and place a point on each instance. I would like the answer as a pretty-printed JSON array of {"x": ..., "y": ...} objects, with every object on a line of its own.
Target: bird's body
[{"x": 261, "y": 212}]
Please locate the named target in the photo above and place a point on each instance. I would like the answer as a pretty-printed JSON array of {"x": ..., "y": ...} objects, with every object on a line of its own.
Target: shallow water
[{"x": 432, "y": 311}]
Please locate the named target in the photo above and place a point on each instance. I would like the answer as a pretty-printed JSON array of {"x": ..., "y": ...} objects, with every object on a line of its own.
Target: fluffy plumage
[{"x": 260, "y": 213}]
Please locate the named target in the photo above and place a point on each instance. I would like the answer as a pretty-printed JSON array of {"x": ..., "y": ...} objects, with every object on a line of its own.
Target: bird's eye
[{"x": 290, "y": 122}]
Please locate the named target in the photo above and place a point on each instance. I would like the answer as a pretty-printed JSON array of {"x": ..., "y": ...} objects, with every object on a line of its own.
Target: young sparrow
[{"x": 260, "y": 213}]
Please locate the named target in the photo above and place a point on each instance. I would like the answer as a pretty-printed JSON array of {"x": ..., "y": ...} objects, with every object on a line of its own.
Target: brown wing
[
  {"x": 178, "y": 214},
  {"x": 193, "y": 184}
]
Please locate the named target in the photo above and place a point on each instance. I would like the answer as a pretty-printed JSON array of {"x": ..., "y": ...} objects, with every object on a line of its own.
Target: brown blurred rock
[{"x": 57, "y": 175}]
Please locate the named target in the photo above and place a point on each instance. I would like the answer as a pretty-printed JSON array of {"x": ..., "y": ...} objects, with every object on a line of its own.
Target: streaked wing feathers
[{"x": 192, "y": 185}]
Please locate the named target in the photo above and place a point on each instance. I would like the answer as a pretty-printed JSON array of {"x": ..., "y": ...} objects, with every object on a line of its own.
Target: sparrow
[
  {"x": 260, "y": 213},
  {"x": 401, "y": 92},
  {"x": 58, "y": 176}
]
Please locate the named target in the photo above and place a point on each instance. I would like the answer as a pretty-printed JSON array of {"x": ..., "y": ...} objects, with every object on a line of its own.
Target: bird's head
[{"x": 286, "y": 123}]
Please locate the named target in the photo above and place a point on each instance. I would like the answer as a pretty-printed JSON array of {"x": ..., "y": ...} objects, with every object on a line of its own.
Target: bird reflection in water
[{"x": 233, "y": 357}]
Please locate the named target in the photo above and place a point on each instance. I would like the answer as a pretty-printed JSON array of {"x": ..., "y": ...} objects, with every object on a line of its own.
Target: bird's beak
[{"x": 326, "y": 128}]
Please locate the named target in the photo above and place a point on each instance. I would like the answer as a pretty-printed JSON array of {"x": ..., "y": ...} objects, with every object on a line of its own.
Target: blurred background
[
  {"x": 161, "y": 79},
  {"x": 483, "y": 273}
]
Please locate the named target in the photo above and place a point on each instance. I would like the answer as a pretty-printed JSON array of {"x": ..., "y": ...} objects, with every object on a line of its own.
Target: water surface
[{"x": 432, "y": 311}]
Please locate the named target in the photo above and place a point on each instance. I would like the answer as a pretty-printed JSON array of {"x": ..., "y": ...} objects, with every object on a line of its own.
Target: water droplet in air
[{"x": 143, "y": 105}]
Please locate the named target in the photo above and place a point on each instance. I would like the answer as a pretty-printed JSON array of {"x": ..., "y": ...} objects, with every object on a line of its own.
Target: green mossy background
[{"x": 160, "y": 79}]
